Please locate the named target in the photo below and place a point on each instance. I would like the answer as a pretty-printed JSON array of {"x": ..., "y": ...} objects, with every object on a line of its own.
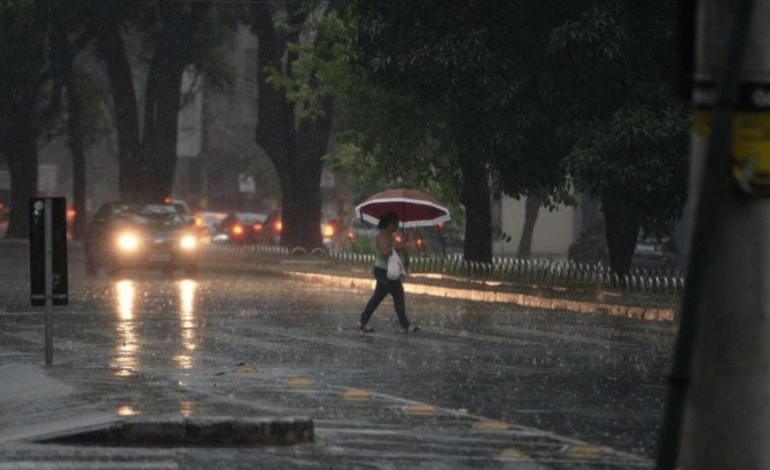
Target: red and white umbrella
[{"x": 414, "y": 208}]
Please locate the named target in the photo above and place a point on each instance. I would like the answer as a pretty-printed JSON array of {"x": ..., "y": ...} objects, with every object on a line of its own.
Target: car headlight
[
  {"x": 187, "y": 242},
  {"x": 128, "y": 242}
]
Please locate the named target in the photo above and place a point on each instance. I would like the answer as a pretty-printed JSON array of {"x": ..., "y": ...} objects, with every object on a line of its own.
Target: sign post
[{"x": 48, "y": 260}]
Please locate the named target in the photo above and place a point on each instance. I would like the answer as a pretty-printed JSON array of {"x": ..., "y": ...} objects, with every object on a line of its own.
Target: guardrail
[{"x": 512, "y": 270}]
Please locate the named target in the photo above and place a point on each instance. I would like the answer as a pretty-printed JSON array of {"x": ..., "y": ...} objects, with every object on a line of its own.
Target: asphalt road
[{"x": 479, "y": 386}]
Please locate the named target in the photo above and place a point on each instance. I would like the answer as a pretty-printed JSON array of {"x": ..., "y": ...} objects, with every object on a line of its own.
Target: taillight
[
  {"x": 351, "y": 235},
  {"x": 257, "y": 226},
  {"x": 198, "y": 221},
  {"x": 277, "y": 226},
  {"x": 328, "y": 231},
  {"x": 237, "y": 229}
]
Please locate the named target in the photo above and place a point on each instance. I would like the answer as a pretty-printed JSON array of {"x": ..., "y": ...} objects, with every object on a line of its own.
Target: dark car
[
  {"x": 270, "y": 234},
  {"x": 654, "y": 255},
  {"x": 332, "y": 233},
  {"x": 272, "y": 226},
  {"x": 140, "y": 236},
  {"x": 240, "y": 228}
]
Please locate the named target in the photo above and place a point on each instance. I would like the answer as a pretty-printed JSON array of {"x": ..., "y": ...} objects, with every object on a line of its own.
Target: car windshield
[{"x": 155, "y": 216}]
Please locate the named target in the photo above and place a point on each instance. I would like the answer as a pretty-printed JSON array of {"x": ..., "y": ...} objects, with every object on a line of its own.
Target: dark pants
[{"x": 384, "y": 287}]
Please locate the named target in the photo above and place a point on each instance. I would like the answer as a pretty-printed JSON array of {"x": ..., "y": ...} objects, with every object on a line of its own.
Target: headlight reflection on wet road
[
  {"x": 126, "y": 351},
  {"x": 187, "y": 290},
  {"x": 127, "y": 348}
]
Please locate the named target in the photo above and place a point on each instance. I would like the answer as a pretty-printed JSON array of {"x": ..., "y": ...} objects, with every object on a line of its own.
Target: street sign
[
  {"x": 48, "y": 214},
  {"x": 246, "y": 183}
]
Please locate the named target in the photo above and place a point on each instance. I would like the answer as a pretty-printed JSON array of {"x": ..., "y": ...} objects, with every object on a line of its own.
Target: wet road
[{"x": 480, "y": 386}]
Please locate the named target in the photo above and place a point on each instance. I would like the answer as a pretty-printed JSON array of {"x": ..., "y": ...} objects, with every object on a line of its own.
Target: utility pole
[{"x": 723, "y": 349}]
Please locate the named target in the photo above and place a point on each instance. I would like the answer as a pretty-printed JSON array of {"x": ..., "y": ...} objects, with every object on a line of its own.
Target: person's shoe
[
  {"x": 411, "y": 329},
  {"x": 364, "y": 328}
]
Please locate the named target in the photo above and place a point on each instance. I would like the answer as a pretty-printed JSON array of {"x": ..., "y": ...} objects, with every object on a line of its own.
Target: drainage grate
[{"x": 199, "y": 432}]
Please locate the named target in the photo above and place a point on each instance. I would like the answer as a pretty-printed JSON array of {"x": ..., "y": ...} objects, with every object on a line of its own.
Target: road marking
[
  {"x": 420, "y": 409},
  {"x": 71, "y": 465},
  {"x": 300, "y": 382},
  {"x": 356, "y": 394},
  {"x": 514, "y": 454},
  {"x": 491, "y": 425},
  {"x": 586, "y": 451}
]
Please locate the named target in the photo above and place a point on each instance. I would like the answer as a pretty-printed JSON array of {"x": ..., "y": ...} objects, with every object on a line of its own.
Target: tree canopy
[
  {"x": 630, "y": 131},
  {"x": 540, "y": 99}
]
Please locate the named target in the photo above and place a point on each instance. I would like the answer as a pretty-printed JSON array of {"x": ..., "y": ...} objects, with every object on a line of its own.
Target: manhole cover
[{"x": 199, "y": 432}]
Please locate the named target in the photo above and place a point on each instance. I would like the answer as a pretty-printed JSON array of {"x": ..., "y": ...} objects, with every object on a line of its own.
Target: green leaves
[{"x": 637, "y": 157}]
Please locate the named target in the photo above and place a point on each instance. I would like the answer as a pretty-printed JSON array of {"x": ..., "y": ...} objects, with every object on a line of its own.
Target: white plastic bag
[{"x": 396, "y": 269}]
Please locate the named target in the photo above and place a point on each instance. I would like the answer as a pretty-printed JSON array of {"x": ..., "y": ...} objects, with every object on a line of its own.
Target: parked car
[
  {"x": 419, "y": 240},
  {"x": 239, "y": 228},
  {"x": 332, "y": 233},
  {"x": 140, "y": 236},
  {"x": 650, "y": 253},
  {"x": 359, "y": 228},
  {"x": 270, "y": 234},
  {"x": 206, "y": 223},
  {"x": 654, "y": 255}
]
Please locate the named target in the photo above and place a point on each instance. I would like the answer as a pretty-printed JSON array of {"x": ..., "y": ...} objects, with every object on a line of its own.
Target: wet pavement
[{"x": 482, "y": 385}]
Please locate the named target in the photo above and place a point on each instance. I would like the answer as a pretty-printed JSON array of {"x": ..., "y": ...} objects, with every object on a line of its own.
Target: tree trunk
[
  {"x": 20, "y": 149},
  {"x": 532, "y": 207},
  {"x": 622, "y": 232},
  {"x": 132, "y": 167},
  {"x": 147, "y": 165},
  {"x": 295, "y": 150},
  {"x": 478, "y": 213},
  {"x": 161, "y": 121},
  {"x": 75, "y": 132},
  {"x": 476, "y": 193}
]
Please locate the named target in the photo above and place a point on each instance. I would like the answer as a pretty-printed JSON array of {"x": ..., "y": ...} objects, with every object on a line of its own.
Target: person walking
[{"x": 385, "y": 245}]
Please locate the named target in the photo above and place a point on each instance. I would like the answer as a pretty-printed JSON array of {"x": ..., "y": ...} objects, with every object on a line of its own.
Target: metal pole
[
  {"x": 727, "y": 411},
  {"x": 48, "y": 282}
]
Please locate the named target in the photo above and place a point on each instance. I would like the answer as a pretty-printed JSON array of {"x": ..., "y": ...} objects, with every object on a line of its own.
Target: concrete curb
[
  {"x": 38, "y": 408},
  {"x": 524, "y": 300},
  {"x": 197, "y": 432}
]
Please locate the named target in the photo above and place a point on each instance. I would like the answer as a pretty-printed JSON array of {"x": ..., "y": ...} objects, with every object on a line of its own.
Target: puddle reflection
[
  {"x": 127, "y": 349},
  {"x": 186, "y": 408},
  {"x": 187, "y": 290},
  {"x": 126, "y": 352},
  {"x": 127, "y": 410}
]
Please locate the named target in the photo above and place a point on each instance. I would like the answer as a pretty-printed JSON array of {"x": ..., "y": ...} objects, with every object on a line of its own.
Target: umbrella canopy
[{"x": 414, "y": 208}]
